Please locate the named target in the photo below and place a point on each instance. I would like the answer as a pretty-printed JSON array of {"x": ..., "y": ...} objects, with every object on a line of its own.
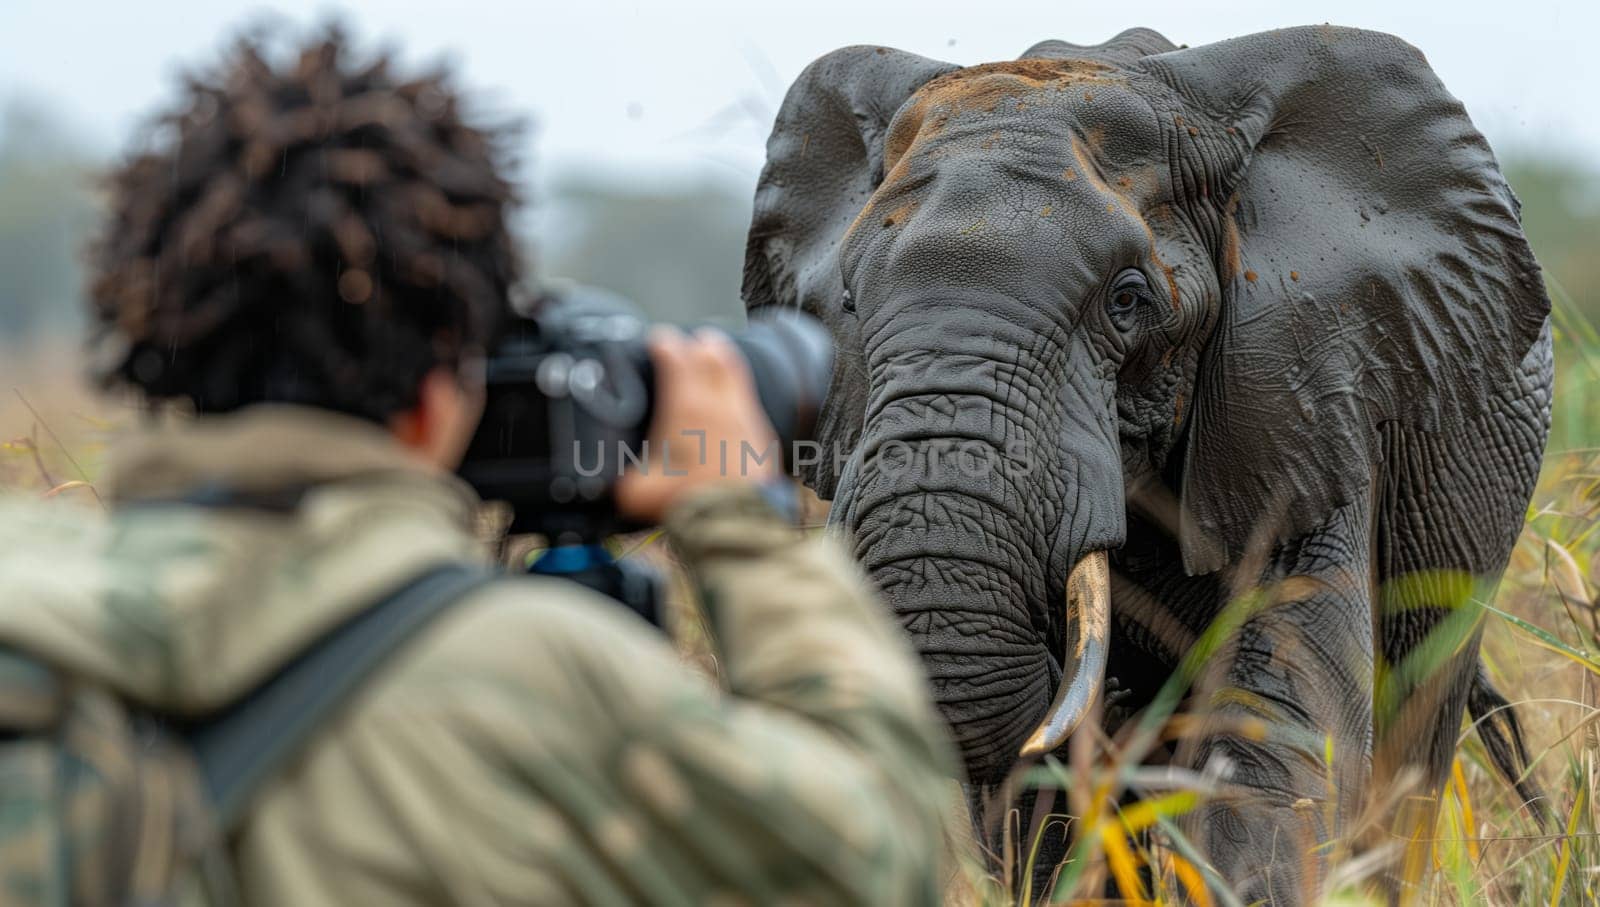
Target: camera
[{"x": 571, "y": 393}]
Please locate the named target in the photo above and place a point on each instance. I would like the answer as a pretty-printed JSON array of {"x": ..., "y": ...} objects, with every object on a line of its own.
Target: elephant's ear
[
  {"x": 824, "y": 160},
  {"x": 1373, "y": 270}
]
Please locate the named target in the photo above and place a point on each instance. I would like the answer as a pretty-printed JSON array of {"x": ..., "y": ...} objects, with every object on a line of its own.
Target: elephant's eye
[{"x": 1128, "y": 291}]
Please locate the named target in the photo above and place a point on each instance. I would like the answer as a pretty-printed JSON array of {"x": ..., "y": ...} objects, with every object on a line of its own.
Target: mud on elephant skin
[{"x": 1276, "y": 282}]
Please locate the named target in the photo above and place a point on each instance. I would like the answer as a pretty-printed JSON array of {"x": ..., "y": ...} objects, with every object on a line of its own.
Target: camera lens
[{"x": 791, "y": 360}]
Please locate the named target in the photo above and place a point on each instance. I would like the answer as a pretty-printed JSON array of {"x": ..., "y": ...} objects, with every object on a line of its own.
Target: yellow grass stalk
[
  {"x": 1565, "y": 860},
  {"x": 1469, "y": 825},
  {"x": 1124, "y": 868}
]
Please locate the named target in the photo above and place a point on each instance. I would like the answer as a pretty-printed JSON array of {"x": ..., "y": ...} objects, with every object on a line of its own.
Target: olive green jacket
[{"x": 535, "y": 745}]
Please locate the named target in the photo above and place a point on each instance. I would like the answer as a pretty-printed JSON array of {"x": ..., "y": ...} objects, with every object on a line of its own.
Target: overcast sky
[{"x": 656, "y": 88}]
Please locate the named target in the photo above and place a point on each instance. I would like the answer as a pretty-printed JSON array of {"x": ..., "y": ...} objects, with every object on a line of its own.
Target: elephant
[{"x": 1257, "y": 314}]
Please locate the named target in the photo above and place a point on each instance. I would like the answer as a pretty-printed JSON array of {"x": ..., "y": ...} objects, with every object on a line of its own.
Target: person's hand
[{"x": 708, "y": 425}]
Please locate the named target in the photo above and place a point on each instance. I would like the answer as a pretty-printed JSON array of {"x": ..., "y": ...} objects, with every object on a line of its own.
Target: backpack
[{"x": 105, "y": 803}]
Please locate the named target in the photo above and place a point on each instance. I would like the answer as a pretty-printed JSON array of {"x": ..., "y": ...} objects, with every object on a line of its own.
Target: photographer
[{"x": 311, "y": 258}]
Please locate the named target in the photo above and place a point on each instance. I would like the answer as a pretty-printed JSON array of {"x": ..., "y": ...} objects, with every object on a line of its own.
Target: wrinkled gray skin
[{"x": 1340, "y": 372}]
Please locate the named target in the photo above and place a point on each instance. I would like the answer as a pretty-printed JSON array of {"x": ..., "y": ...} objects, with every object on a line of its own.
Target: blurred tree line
[
  {"x": 47, "y": 210},
  {"x": 675, "y": 247}
]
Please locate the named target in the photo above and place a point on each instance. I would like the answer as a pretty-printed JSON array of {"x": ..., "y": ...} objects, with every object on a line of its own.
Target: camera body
[{"x": 570, "y": 397}]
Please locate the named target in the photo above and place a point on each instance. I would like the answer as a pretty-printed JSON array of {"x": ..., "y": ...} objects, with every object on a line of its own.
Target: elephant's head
[{"x": 1216, "y": 270}]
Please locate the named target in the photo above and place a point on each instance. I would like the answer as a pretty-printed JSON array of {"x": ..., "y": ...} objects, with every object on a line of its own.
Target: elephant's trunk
[
  {"x": 951, "y": 566},
  {"x": 985, "y": 490}
]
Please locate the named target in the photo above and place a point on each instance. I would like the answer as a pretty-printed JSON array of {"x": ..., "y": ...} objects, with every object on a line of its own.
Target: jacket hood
[{"x": 232, "y": 542}]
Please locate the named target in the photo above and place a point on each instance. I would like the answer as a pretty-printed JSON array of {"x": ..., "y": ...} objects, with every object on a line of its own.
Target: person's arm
[
  {"x": 826, "y": 761},
  {"x": 828, "y": 748},
  {"x": 798, "y": 627}
]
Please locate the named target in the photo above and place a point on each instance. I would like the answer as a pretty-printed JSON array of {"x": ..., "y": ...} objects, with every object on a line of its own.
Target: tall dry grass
[{"x": 54, "y": 428}]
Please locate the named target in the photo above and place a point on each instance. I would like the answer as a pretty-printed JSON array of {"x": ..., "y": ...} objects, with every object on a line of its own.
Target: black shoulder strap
[{"x": 240, "y": 749}]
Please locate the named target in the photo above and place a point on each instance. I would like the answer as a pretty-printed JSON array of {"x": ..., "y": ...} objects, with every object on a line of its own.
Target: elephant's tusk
[{"x": 1089, "y": 622}]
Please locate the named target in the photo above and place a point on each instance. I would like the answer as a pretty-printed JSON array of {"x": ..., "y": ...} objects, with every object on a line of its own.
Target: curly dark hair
[{"x": 321, "y": 232}]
